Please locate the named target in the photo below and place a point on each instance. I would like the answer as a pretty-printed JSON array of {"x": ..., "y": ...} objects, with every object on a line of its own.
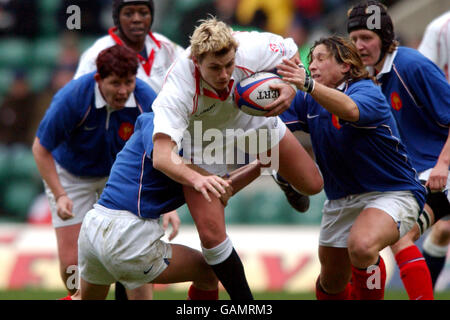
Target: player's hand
[
  {"x": 214, "y": 184},
  {"x": 173, "y": 219},
  {"x": 283, "y": 102},
  {"x": 292, "y": 73},
  {"x": 438, "y": 178},
  {"x": 64, "y": 206},
  {"x": 227, "y": 195}
]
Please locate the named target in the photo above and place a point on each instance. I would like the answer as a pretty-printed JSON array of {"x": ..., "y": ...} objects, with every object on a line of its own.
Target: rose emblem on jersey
[
  {"x": 335, "y": 121},
  {"x": 396, "y": 102},
  {"x": 274, "y": 47},
  {"x": 126, "y": 130}
]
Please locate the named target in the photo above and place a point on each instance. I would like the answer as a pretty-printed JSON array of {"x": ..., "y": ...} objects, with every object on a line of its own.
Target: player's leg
[
  {"x": 218, "y": 251},
  {"x": 91, "y": 291},
  {"x": 413, "y": 269},
  {"x": 297, "y": 167},
  {"x": 372, "y": 231},
  {"x": 67, "y": 238},
  {"x": 435, "y": 248},
  {"x": 188, "y": 264},
  {"x": 335, "y": 274},
  {"x": 142, "y": 293}
]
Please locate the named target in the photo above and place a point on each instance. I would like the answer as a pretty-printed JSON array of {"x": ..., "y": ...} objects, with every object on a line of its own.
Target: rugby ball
[{"x": 253, "y": 94}]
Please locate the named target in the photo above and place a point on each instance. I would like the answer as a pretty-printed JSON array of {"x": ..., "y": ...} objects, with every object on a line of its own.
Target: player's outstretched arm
[
  {"x": 172, "y": 165},
  {"x": 239, "y": 178}
]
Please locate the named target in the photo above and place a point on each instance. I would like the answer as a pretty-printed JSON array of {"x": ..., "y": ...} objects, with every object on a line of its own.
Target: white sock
[
  {"x": 434, "y": 250},
  {"x": 219, "y": 253}
]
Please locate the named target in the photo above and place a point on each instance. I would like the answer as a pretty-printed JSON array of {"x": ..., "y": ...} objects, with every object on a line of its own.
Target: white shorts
[
  {"x": 84, "y": 193},
  {"x": 250, "y": 135},
  {"x": 339, "y": 215},
  {"x": 117, "y": 245}
]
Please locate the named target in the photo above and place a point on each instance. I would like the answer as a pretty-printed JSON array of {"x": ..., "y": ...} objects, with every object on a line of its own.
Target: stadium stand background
[{"x": 38, "y": 55}]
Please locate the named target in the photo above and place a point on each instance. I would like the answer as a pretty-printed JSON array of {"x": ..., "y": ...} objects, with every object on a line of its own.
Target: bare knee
[
  {"x": 334, "y": 282},
  {"x": 211, "y": 234},
  {"x": 363, "y": 253}
]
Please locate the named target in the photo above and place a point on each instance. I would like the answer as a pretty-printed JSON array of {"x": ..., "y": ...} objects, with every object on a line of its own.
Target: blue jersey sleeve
[
  {"x": 62, "y": 117},
  {"x": 145, "y": 95},
  {"x": 428, "y": 83},
  {"x": 372, "y": 105},
  {"x": 295, "y": 117},
  {"x": 145, "y": 124}
]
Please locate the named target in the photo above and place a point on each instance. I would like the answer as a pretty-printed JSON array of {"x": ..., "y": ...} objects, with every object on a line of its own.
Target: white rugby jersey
[
  {"x": 435, "y": 43},
  {"x": 185, "y": 98},
  {"x": 161, "y": 54}
]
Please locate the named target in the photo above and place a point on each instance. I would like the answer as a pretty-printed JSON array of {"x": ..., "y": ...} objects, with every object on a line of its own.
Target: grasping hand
[
  {"x": 214, "y": 184},
  {"x": 438, "y": 178}
]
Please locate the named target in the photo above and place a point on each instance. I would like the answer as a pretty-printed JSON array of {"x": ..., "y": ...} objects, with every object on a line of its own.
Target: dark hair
[
  {"x": 119, "y": 4},
  {"x": 358, "y": 17},
  {"x": 344, "y": 51},
  {"x": 117, "y": 60}
]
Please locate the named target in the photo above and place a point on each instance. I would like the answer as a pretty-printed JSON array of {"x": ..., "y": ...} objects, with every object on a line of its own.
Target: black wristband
[{"x": 308, "y": 86}]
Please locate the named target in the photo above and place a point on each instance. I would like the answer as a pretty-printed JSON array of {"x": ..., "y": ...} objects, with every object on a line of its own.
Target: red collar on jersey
[{"x": 146, "y": 63}]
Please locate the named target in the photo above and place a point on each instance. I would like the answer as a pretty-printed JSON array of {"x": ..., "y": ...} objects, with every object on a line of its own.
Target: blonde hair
[{"x": 212, "y": 36}]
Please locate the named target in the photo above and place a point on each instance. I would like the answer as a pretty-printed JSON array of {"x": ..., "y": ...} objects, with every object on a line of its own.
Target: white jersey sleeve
[
  {"x": 435, "y": 43},
  {"x": 174, "y": 104},
  {"x": 263, "y": 51}
]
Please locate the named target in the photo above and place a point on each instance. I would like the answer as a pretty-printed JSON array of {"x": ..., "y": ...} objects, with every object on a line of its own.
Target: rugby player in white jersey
[{"x": 195, "y": 107}]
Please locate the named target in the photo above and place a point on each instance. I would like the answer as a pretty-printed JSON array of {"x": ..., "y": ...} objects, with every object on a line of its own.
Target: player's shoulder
[
  {"x": 81, "y": 85},
  {"x": 100, "y": 44},
  {"x": 182, "y": 69},
  {"x": 163, "y": 39},
  {"x": 143, "y": 90},
  {"x": 438, "y": 23},
  {"x": 409, "y": 55},
  {"x": 409, "y": 60}
]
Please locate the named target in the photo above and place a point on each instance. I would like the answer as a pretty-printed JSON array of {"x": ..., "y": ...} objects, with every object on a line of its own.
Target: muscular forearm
[
  {"x": 46, "y": 166},
  {"x": 336, "y": 102},
  {"x": 170, "y": 163},
  {"x": 240, "y": 177}
]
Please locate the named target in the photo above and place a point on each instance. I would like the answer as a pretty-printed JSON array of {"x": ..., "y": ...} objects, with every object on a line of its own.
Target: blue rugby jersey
[
  {"x": 356, "y": 157},
  {"x": 134, "y": 185},
  {"x": 84, "y": 138},
  {"x": 419, "y": 95}
]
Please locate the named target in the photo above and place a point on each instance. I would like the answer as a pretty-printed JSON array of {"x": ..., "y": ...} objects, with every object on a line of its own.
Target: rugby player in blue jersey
[
  {"x": 419, "y": 96},
  {"x": 373, "y": 194},
  {"x": 86, "y": 125},
  {"x": 120, "y": 238}
]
